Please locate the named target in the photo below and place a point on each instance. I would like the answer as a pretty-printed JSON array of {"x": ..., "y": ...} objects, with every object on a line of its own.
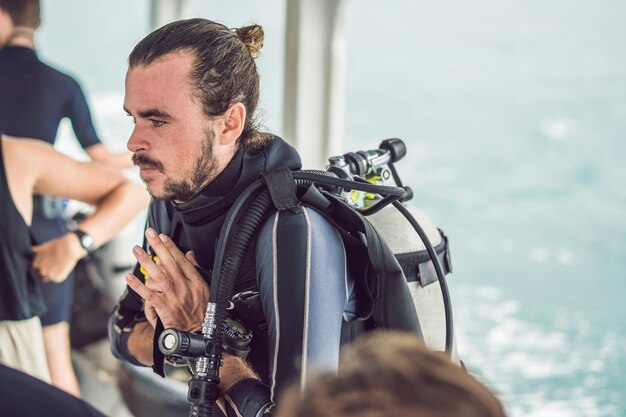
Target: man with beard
[{"x": 192, "y": 88}]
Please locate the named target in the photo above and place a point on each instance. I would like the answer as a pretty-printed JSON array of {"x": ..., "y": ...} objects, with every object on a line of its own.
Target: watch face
[{"x": 87, "y": 241}]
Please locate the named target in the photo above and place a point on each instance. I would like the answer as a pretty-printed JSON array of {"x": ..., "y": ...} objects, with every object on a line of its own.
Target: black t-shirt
[{"x": 34, "y": 97}]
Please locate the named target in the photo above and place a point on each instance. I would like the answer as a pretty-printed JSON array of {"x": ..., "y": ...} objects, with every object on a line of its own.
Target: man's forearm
[
  {"x": 234, "y": 369},
  {"x": 140, "y": 342},
  {"x": 244, "y": 394}
]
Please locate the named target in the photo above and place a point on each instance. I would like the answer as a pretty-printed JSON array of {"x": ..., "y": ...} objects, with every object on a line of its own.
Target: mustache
[{"x": 146, "y": 162}]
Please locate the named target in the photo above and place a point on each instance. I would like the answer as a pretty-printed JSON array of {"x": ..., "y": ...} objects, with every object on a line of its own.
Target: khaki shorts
[{"x": 21, "y": 347}]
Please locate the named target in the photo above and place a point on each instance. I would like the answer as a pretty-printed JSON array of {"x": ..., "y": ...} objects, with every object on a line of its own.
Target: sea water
[
  {"x": 515, "y": 118},
  {"x": 514, "y": 115}
]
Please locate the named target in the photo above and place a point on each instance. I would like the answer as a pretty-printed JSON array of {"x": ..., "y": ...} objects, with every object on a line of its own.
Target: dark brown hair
[
  {"x": 224, "y": 70},
  {"x": 393, "y": 374},
  {"x": 22, "y": 12}
]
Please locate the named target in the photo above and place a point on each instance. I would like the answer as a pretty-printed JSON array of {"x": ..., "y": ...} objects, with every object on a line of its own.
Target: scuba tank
[
  {"x": 401, "y": 279},
  {"x": 426, "y": 290},
  {"x": 428, "y": 293}
]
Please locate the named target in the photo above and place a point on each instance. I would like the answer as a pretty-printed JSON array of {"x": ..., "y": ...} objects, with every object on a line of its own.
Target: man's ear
[{"x": 234, "y": 120}]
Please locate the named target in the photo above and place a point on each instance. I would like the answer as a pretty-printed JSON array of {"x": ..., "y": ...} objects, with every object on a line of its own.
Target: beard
[
  {"x": 199, "y": 176},
  {"x": 204, "y": 169}
]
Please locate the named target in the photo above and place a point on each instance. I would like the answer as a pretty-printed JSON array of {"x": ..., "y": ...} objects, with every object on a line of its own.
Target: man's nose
[{"x": 137, "y": 140}]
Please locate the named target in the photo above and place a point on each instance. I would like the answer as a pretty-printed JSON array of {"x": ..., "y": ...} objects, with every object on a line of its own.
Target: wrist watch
[{"x": 86, "y": 240}]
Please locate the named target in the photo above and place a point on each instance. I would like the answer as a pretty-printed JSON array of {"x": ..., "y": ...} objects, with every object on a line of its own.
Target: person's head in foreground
[{"x": 392, "y": 374}]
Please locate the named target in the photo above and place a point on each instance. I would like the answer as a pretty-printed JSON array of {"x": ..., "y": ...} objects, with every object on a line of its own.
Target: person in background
[
  {"x": 34, "y": 98},
  {"x": 31, "y": 166},
  {"x": 392, "y": 374}
]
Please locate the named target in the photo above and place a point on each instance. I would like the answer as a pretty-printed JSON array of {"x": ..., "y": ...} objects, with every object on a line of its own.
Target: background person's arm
[
  {"x": 117, "y": 201},
  {"x": 101, "y": 154}
]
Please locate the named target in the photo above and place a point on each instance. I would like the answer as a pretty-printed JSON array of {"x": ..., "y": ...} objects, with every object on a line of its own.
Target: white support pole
[
  {"x": 166, "y": 11},
  {"x": 315, "y": 56}
]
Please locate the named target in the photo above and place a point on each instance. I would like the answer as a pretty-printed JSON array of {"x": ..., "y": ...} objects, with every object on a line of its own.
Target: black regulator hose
[
  {"x": 246, "y": 230},
  {"x": 329, "y": 179},
  {"x": 217, "y": 296},
  {"x": 447, "y": 305}
]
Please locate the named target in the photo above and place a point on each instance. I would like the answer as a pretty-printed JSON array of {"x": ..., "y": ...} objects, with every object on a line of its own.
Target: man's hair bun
[{"x": 252, "y": 36}]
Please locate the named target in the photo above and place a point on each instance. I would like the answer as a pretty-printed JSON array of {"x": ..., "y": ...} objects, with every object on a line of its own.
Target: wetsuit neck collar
[
  {"x": 219, "y": 187},
  {"x": 217, "y": 197}
]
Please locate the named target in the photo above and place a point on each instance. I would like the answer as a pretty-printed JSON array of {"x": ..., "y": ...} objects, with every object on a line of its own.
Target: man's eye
[{"x": 157, "y": 123}]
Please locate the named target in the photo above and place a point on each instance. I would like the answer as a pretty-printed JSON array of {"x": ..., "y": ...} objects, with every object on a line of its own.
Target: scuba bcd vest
[{"x": 401, "y": 277}]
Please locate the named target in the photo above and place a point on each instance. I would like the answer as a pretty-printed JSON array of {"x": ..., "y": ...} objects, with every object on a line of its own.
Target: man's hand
[
  {"x": 151, "y": 314},
  {"x": 55, "y": 259},
  {"x": 174, "y": 288}
]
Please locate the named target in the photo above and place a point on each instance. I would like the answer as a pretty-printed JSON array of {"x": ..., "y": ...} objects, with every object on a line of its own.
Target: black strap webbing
[
  {"x": 282, "y": 188},
  {"x": 157, "y": 357}
]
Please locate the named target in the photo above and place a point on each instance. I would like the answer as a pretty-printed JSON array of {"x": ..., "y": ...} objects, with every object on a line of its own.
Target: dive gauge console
[{"x": 237, "y": 338}]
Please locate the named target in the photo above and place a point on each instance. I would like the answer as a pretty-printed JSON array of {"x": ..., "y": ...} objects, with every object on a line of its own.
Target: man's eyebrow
[{"x": 151, "y": 113}]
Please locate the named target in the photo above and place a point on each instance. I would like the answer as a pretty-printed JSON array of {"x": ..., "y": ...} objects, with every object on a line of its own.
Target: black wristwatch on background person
[{"x": 86, "y": 240}]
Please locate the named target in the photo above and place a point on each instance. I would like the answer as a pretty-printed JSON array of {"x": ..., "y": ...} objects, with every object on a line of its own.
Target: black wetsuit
[
  {"x": 33, "y": 99},
  {"x": 298, "y": 266}
]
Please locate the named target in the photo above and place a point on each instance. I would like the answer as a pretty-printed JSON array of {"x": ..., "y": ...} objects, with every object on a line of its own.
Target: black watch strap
[{"x": 86, "y": 240}]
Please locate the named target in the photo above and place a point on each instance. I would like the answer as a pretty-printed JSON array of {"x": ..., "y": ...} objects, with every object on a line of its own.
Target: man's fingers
[
  {"x": 151, "y": 297},
  {"x": 162, "y": 252},
  {"x": 171, "y": 259},
  {"x": 191, "y": 257},
  {"x": 153, "y": 271},
  {"x": 184, "y": 263},
  {"x": 153, "y": 285},
  {"x": 151, "y": 314}
]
